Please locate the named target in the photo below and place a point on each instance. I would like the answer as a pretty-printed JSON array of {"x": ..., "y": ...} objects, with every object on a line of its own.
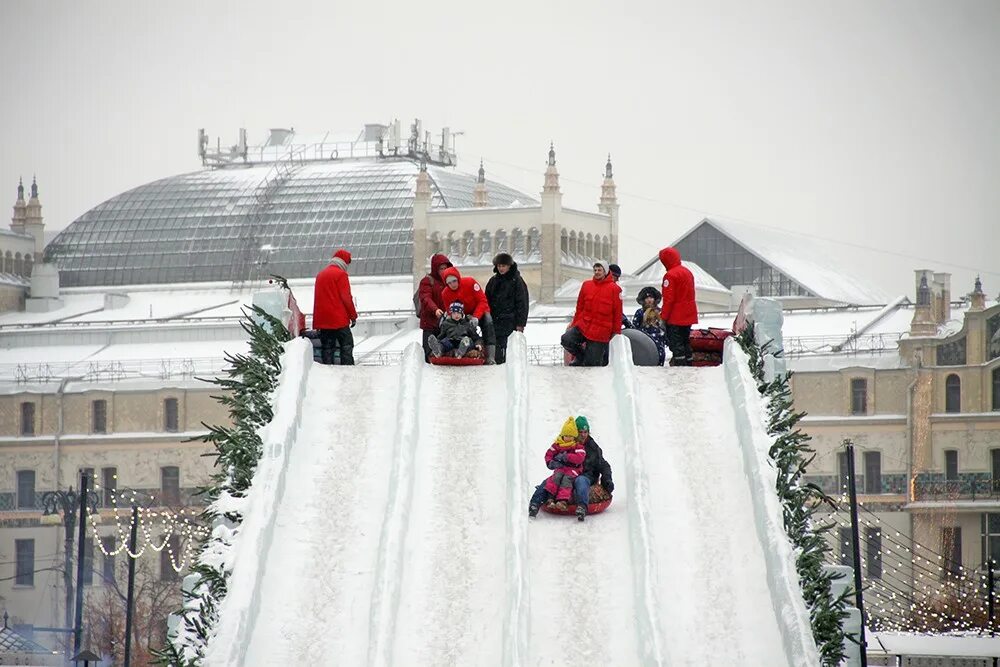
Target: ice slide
[{"x": 388, "y": 522}]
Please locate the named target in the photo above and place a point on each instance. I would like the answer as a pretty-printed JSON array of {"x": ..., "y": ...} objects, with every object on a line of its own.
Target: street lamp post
[{"x": 68, "y": 502}]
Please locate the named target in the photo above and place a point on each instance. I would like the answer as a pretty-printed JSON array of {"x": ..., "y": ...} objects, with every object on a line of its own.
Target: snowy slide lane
[
  {"x": 317, "y": 589},
  {"x": 715, "y": 605},
  {"x": 582, "y": 606},
  {"x": 451, "y": 606}
]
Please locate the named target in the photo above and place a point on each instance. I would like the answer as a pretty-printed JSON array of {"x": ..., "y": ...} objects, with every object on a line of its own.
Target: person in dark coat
[
  {"x": 507, "y": 294},
  {"x": 647, "y": 319},
  {"x": 596, "y": 469},
  {"x": 429, "y": 297},
  {"x": 334, "y": 314}
]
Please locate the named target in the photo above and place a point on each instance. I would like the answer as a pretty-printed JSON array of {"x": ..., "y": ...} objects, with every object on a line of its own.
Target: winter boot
[
  {"x": 464, "y": 345},
  {"x": 435, "y": 345},
  {"x": 581, "y": 512},
  {"x": 491, "y": 355},
  {"x": 532, "y": 511}
]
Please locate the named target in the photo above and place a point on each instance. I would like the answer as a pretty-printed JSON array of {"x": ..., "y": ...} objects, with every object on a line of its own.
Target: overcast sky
[{"x": 877, "y": 123}]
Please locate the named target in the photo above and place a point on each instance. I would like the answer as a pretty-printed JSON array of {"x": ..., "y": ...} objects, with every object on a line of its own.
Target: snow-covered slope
[{"x": 401, "y": 535}]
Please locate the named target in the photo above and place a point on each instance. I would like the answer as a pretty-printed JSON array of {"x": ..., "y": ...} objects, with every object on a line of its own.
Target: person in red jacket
[
  {"x": 679, "y": 310},
  {"x": 432, "y": 309},
  {"x": 333, "y": 310},
  {"x": 598, "y": 317},
  {"x": 473, "y": 299}
]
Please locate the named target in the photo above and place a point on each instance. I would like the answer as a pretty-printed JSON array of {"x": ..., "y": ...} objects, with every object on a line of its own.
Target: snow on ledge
[{"x": 783, "y": 580}]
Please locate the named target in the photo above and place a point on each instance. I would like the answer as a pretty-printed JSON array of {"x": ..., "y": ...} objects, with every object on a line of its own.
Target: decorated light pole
[{"x": 69, "y": 503}]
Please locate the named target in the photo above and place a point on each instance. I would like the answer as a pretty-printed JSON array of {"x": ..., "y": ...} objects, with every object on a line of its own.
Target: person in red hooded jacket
[
  {"x": 333, "y": 310},
  {"x": 598, "y": 317},
  {"x": 432, "y": 309},
  {"x": 679, "y": 309},
  {"x": 472, "y": 297}
]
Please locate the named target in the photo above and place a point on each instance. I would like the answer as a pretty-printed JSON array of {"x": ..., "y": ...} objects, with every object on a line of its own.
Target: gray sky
[{"x": 871, "y": 122}]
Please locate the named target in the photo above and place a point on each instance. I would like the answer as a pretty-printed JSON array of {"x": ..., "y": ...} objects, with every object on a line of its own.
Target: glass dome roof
[{"x": 239, "y": 223}]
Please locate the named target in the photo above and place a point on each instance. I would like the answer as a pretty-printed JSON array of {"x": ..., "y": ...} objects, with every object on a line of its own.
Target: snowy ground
[{"x": 402, "y": 536}]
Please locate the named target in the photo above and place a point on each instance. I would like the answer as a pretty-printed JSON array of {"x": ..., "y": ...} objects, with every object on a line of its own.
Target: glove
[
  {"x": 560, "y": 457},
  {"x": 608, "y": 485},
  {"x": 521, "y": 329},
  {"x": 474, "y": 321},
  {"x": 353, "y": 322},
  {"x": 553, "y": 464}
]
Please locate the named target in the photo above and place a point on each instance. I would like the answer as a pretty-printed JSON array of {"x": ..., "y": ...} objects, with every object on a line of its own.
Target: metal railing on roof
[
  {"x": 797, "y": 346},
  {"x": 112, "y": 370}
]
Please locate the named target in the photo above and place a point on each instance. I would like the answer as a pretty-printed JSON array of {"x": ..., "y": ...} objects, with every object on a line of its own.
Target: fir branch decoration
[
  {"x": 800, "y": 501},
  {"x": 250, "y": 380}
]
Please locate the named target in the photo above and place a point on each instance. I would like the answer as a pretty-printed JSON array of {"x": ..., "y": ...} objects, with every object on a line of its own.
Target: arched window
[
  {"x": 485, "y": 244},
  {"x": 451, "y": 244},
  {"x": 606, "y": 248},
  {"x": 469, "y": 243},
  {"x": 28, "y": 262},
  {"x": 952, "y": 394},
  {"x": 996, "y": 388},
  {"x": 18, "y": 266},
  {"x": 8, "y": 262},
  {"x": 589, "y": 252},
  {"x": 501, "y": 241},
  {"x": 435, "y": 243},
  {"x": 564, "y": 241},
  {"x": 532, "y": 246},
  {"x": 517, "y": 243},
  {"x": 573, "y": 248}
]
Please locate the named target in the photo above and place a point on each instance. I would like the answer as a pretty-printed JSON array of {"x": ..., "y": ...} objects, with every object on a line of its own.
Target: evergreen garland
[
  {"x": 250, "y": 379},
  {"x": 800, "y": 501}
]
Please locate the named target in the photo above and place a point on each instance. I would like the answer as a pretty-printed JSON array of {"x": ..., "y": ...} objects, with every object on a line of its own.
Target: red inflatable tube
[
  {"x": 592, "y": 508},
  {"x": 457, "y": 361}
]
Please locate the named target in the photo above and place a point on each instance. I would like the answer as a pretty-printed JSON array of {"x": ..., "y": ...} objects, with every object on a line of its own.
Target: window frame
[
  {"x": 99, "y": 416},
  {"x": 24, "y": 571},
  {"x": 872, "y": 483},
  {"x": 953, "y": 394},
  {"x": 859, "y": 386},
  {"x": 873, "y": 552},
  {"x": 170, "y": 496},
  {"x": 109, "y": 485},
  {"x": 27, "y": 426},
  {"x": 31, "y": 504},
  {"x": 167, "y": 403},
  {"x": 953, "y": 455}
]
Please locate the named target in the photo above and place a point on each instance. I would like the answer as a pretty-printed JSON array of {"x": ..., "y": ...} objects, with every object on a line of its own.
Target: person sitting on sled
[
  {"x": 456, "y": 333},
  {"x": 595, "y": 469},
  {"x": 565, "y": 459}
]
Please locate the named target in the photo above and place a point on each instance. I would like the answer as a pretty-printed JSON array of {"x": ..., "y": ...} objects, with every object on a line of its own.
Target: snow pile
[{"x": 786, "y": 594}]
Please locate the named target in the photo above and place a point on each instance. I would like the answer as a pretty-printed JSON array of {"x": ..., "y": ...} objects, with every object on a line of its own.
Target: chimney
[{"x": 942, "y": 292}]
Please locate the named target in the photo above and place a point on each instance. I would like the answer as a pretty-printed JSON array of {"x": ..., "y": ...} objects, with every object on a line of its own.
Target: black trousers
[
  {"x": 427, "y": 333},
  {"x": 587, "y": 352},
  {"x": 679, "y": 342},
  {"x": 337, "y": 341}
]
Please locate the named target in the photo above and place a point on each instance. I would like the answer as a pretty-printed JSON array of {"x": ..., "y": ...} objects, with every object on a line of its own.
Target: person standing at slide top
[
  {"x": 333, "y": 310},
  {"x": 507, "y": 294},
  {"x": 597, "y": 319},
  {"x": 679, "y": 310}
]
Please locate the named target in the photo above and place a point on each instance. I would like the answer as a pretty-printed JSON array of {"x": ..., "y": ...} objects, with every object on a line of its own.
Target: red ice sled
[
  {"x": 592, "y": 508},
  {"x": 457, "y": 361},
  {"x": 709, "y": 340}
]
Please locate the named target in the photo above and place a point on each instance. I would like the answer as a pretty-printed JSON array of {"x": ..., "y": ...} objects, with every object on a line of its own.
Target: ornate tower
[
  {"x": 480, "y": 196},
  {"x": 609, "y": 206},
  {"x": 33, "y": 223},
  {"x": 923, "y": 323},
  {"x": 977, "y": 300},
  {"x": 421, "y": 205},
  {"x": 17, "y": 222},
  {"x": 551, "y": 231}
]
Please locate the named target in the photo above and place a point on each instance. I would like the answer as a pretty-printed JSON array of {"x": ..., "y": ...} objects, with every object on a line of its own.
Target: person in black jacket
[
  {"x": 595, "y": 469},
  {"x": 507, "y": 295}
]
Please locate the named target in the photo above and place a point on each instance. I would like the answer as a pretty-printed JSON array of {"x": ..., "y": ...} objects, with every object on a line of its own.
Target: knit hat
[
  {"x": 503, "y": 258},
  {"x": 344, "y": 255},
  {"x": 569, "y": 428},
  {"x": 602, "y": 263},
  {"x": 582, "y": 424},
  {"x": 615, "y": 270},
  {"x": 456, "y": 307}
]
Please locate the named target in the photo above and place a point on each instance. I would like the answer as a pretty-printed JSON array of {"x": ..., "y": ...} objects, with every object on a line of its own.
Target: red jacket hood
[
  {"x": 670, "y": 258},
  {"x": 450, "y": 271},
  {"x": 437, "y": 261},
  {"x": 343, "y": 255}
]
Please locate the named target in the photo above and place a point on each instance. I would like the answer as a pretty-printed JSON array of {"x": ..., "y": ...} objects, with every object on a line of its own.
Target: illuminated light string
[{"x": 164, "y": 523}]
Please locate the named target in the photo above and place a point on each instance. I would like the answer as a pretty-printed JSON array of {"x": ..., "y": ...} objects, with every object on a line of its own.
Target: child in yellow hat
[{"x": 565, "y": 459}]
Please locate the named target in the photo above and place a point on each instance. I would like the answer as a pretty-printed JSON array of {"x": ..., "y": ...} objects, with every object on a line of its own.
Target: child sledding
[
  {"x": 458, "y": 340},
  {"x": 577, "y": 464}
]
